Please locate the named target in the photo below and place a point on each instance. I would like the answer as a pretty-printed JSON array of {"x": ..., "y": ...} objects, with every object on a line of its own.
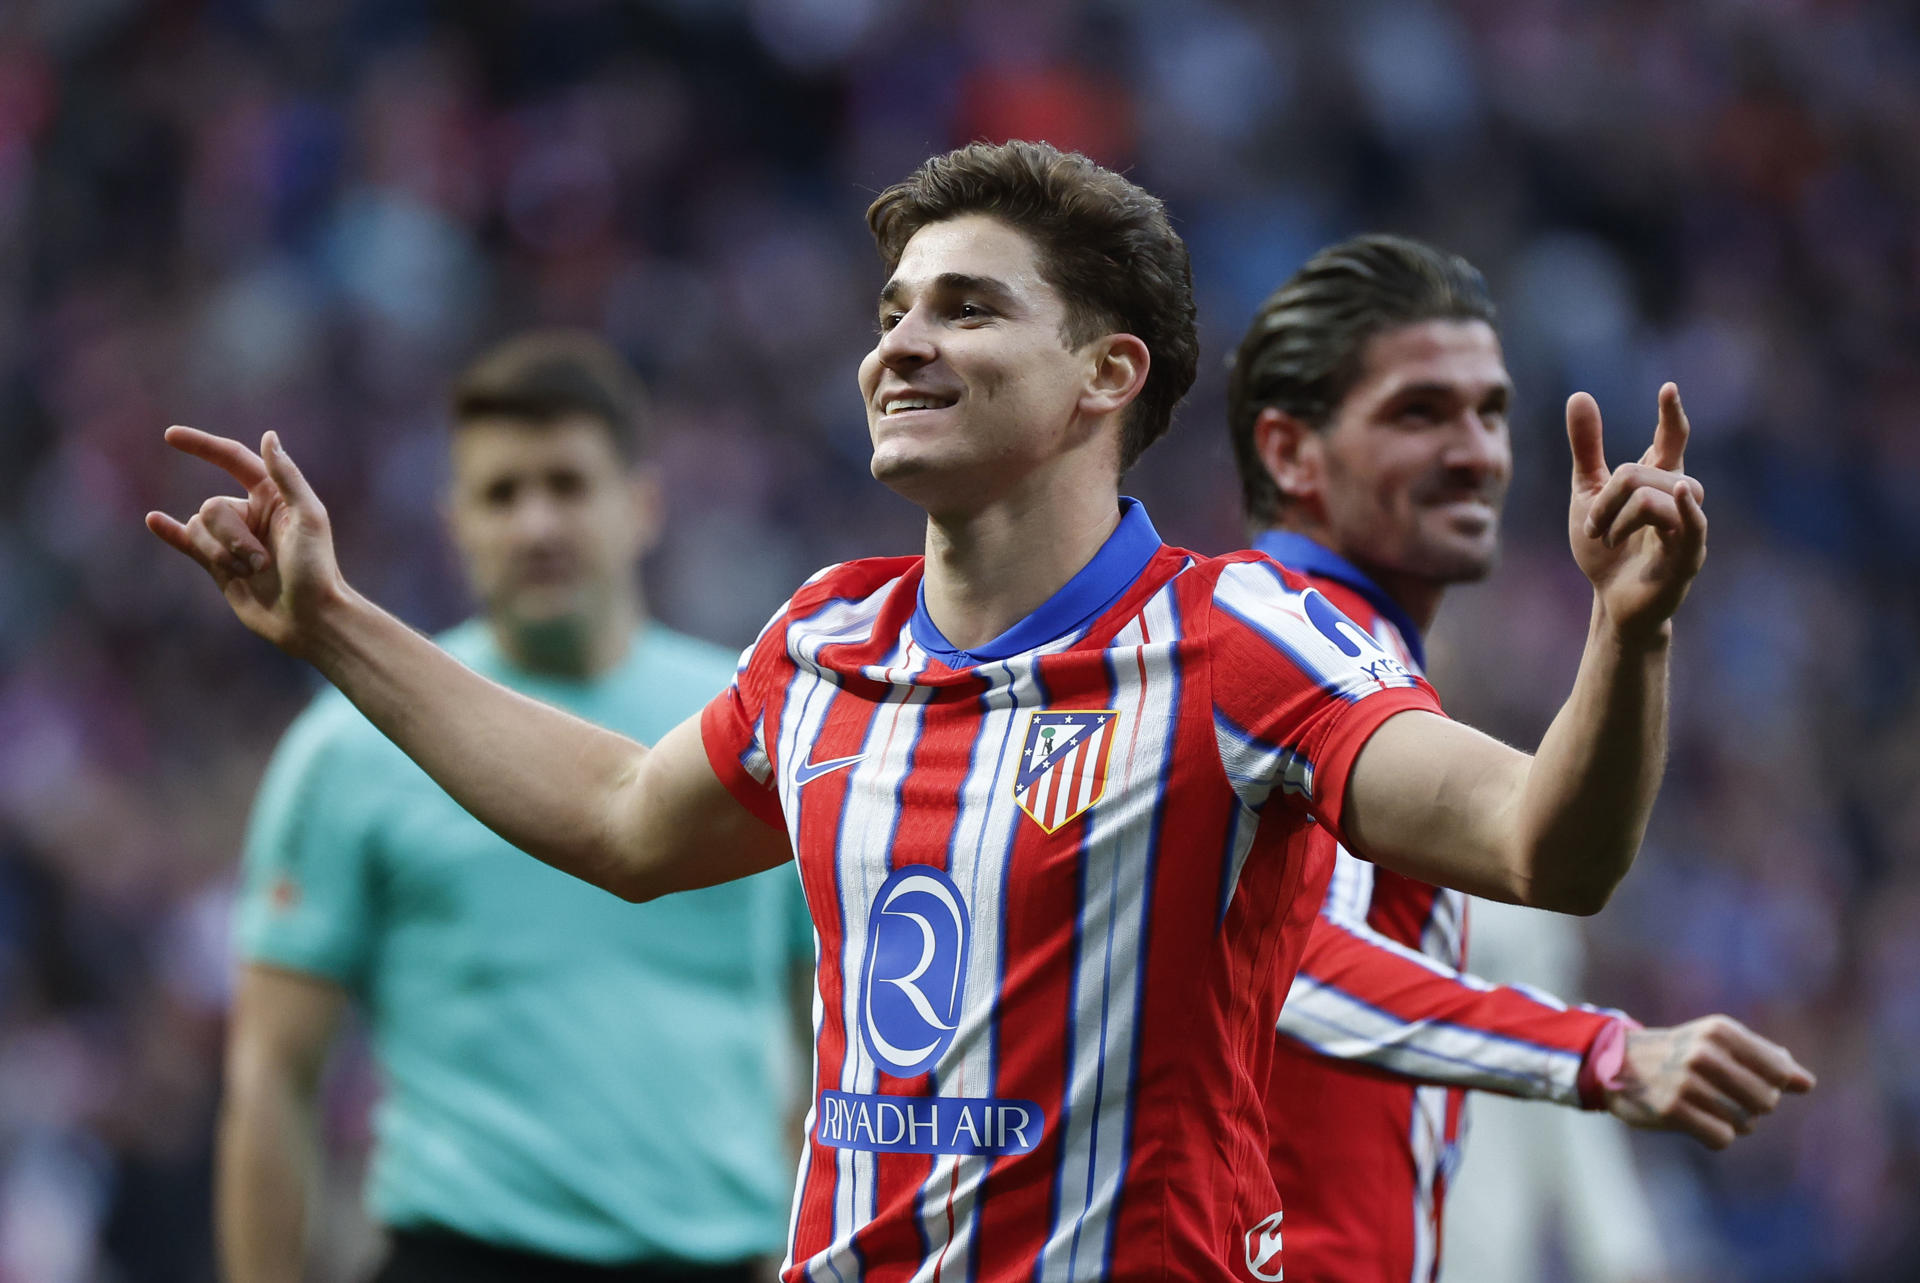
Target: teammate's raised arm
[
  {"x": 1558, "y": 830},
  {"x": 599, "y": 806}
]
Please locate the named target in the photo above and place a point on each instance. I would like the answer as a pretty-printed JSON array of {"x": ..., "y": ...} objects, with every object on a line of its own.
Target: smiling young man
[
  {"x": 1368, "y": 406},
  {"x": 1052, "y": 786}
]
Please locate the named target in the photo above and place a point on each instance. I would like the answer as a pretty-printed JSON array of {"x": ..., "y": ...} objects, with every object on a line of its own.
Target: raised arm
[
  {"x": 597, "y": 805},
  {"x": 1559, "y": 829}
]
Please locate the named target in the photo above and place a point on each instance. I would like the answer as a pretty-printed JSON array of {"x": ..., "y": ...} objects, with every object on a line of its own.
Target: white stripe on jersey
[
  {"x": 1429, "y": 1153},
  {"x": 1339, "y": 1025},
  {"x": 1394, "y": 644},
  {"x": 1255, "y": 769},
  {"x": 1240, "y": 835},
  {"x": 1109, "y": 968},
  {"x": 1254, "y": 593},
  {"x": 755, "y": 759},
  {"x": 1350, "y": 891},
  {"x": 1441, "y": 937}
]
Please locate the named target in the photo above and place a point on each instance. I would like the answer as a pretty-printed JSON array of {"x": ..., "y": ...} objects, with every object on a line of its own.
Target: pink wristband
[{"x": 1604, "y": 1068}]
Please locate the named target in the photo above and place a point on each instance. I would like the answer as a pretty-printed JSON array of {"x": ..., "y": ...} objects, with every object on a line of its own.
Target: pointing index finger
[
  {"x": 238, "y": 462},
  {"x": 1669, "y": 450}
]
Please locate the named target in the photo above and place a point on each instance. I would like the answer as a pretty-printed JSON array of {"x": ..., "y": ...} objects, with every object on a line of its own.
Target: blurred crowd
[{"x": 305, "y": 214}]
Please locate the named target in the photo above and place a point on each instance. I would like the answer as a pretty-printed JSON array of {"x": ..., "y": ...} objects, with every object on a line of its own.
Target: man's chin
[
  {"x": 1460, "y": 559},
  {"x": 544, "y": 610},
  {"x": 1463, "y": 565},
  {"x": 912, "y": 476}
]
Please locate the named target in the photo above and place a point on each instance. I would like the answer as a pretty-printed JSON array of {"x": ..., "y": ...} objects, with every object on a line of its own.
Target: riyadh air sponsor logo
[
  {"x": 808, "y": 772},
  {"x": 1263, "y": 1250},
  {"x": 1063, "y": 764},
  {"x": 916, "y": 969},
  {"x": 974, "y": 1126}
]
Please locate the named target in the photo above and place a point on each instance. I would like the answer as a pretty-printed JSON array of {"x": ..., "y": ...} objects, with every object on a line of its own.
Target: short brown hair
[
  {"x": 1104, "y": 244},
  {"x": 1304, "y": 351},
  {"x": 544, "y": 376}
]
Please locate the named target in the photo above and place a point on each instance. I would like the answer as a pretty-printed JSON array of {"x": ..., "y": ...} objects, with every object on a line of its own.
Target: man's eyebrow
[
  {"x": 953, "y": 283},
  {"x": 1405, "y": 391}
]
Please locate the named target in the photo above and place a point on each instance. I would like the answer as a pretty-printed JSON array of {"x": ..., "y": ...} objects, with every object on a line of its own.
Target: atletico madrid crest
[{"x": 1063, "y": 764}]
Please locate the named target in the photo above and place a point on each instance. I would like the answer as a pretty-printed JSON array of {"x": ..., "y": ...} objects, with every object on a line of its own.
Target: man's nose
[
  {"x": 908, "y": 343},
  {"x": 536, "y": 516},
  {"x": 1478, "y": 444}
]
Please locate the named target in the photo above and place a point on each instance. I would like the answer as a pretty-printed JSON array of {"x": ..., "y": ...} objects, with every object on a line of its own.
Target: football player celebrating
[
  {"x": 1368, "y": 407},
  {"x": 1050, "y": 965}
]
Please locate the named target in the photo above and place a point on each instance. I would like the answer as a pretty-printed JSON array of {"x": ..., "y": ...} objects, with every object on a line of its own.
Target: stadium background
[{"x": 304, "y": 214}]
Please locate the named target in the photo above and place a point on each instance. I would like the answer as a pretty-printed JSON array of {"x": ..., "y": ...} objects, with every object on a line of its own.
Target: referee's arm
[{"x": 268, "y": 1160}]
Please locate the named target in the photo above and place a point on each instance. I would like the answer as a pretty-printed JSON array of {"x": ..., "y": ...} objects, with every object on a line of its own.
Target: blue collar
[
  {"x": 1307, "y": 556},
  {"x": 1080, "y": 601}
]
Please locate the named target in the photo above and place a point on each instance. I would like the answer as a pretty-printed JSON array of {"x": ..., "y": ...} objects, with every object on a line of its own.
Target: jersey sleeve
[
  {"x": 1297, "y": 689},
  {"x": 733, "y": 726},
  {"x": 1362, "y": 997},
  {"x": 308, "y": 884}
]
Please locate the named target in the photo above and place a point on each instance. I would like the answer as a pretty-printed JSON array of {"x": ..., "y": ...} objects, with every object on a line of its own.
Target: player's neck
[
  {"x": 987, "y": 570},
  {"x": 1418, "y": 596},
  {"x": 573, "y": 649}
]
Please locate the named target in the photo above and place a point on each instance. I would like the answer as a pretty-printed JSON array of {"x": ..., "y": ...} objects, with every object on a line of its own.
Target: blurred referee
[{"x": 575, "y": 1087}]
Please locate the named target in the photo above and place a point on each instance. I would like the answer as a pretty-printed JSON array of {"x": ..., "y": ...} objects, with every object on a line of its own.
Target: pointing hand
[{"x": 269, "y": 550}]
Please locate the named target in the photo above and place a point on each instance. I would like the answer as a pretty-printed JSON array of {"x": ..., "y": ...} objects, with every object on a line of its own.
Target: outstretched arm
[
  {"x": 597, "y": 805},
  {"x": 1363, "y": 999},
  {"x": 1559, "y": 829}
]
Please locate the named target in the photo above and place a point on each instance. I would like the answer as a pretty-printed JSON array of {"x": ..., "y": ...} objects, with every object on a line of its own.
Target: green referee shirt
[{"x": 564, "y": 1072}]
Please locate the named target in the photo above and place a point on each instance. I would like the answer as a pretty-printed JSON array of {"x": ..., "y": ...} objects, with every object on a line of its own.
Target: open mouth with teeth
[{"x": 920, "y": 401}]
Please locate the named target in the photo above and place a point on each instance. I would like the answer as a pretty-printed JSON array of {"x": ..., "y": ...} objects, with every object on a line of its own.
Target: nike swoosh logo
[{"x": 807, "y": 772}]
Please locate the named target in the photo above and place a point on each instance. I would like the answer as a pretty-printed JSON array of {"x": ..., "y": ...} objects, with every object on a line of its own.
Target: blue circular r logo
[{"x": 915, "y": 971}]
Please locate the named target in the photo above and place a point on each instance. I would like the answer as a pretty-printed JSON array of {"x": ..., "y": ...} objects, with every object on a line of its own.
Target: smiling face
[
  {"x": 550, "y": 522},
  {"x": 971, "y": 385},
  {"x": 1414, "y": 464}
]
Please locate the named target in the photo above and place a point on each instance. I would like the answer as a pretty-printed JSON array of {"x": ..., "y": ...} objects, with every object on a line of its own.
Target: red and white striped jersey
[
  {"x": 1360, "y": 1154},
  {"x": 1050, "y": 881}
]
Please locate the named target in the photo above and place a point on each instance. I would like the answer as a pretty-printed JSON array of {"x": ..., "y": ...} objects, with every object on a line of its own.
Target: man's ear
[
  {"x": 1118, "y": 372},
  {"x": 1290, "y": 450}
]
